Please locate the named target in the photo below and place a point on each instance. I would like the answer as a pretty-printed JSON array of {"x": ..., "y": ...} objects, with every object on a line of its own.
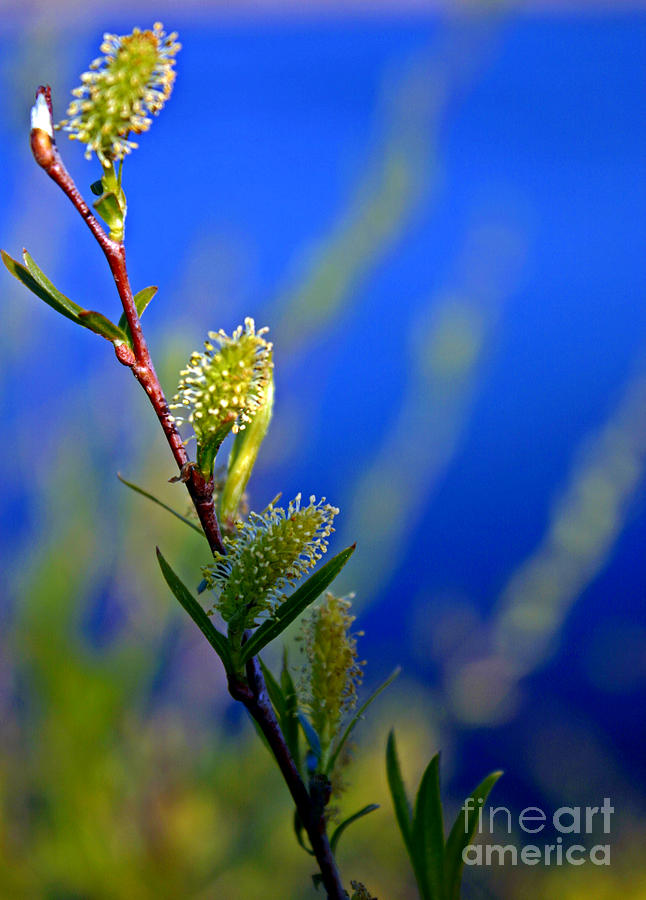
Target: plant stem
[
  {"x": 200, "y": 489},
  {"x": 252, "y": 692}
]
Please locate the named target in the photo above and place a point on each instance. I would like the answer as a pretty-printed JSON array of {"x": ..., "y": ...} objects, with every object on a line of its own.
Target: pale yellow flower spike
[{"x": 121, "y": 91}]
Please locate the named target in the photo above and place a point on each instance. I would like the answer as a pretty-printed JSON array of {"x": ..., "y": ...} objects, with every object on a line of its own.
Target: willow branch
[
  {"x": 252, "y": 691},
  {"x": 200, "y": 488}
]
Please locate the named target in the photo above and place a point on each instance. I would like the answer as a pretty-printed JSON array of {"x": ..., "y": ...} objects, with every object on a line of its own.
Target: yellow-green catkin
[
  {"x": 121, "y": 91},
  {"x": 269, "y": 552},
  {"x": 332, "y": 670},
  {"x": 222, "y": 389}
]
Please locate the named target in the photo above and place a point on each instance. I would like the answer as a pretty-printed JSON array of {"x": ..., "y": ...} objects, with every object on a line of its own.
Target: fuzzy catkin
[{"x": 121, "y": 91}]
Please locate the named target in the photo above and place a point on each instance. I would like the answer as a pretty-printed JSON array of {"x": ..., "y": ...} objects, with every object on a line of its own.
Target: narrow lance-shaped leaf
[
  {"x": 38, "y": 284},
  {"x": 290, "y": 720},
  {"x": 462, "y": 834},
  {"x": 285, "y": 702},
  {"x": 139, "y": 490},
  {"x": 244, "y": 454},
  {"x": 215, "y": 638},
  {"x": 111, "y": 210},
  {"x": 298, "y": 831},
  {"x": 428, "y": 831},
  {"x": 275, "y": 692},
  {"x": 99, "y": 324},
  {"x": 142, "y": 299},
  {"x": 334, "y": 840},
  {"x": 296, "y": 604},
  {"x": 39, "y": 276},
  {"x": 400, "y": 799},
  {"x": 357, "y": 716},
  {"x": 111, "y": 204}
]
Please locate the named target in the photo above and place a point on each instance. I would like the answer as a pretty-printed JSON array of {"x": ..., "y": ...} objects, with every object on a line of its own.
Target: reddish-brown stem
[
  {"x": 251, "y": 691},
  {"x": 200, "y": 488}
]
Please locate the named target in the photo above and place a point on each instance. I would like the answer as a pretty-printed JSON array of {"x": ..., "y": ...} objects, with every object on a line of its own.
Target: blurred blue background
[{"x": 440, "y": 215}]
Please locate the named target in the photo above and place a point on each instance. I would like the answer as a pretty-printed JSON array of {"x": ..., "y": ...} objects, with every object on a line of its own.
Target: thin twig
[
  {"x": 200, "y": 488},
  {"x": 252, "y": 692}
]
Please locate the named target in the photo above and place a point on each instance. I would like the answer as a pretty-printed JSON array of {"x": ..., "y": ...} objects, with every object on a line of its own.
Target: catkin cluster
[
  {"x": 270, "y": 551},
  {"x": 121, "y": 91}
]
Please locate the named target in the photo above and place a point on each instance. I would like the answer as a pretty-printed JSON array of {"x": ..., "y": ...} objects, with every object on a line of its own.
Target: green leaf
[
  {"x": 298, "y": 831},
  {"x": 207, "y": 450},
  {"x": 428, "y": 831},
  {"x": 296, "y": 604},
  {"x": 275, "y": 692},
  {"x": 400, "y": 799},
  {"x": 41, "y": 279},
  {"x": 286, "y": 712},
  {"x": 357, "y": 716},
  {"x": 215, "y": 638},
  {"x": 139, "y": 490},
  {"x": 334, "y": 840},
  {"x": 285, "y": 702},
  {"x": 462, "y": 834},
  {"x": 111, "y": 211},
  {"x": 38, "y": 283},
  {"x": 111, "y": 205},
  {"x": 290, "y": 721},
  {"x": 99, "y": 324},
  {"x": 142, "y": 298},
  {"x": 32, "y": 277},
  {"x": 244, "y": 453}
]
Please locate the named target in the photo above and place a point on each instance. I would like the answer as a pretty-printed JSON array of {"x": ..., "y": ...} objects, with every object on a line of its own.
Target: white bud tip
[{"x": 40, "y": 116}]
